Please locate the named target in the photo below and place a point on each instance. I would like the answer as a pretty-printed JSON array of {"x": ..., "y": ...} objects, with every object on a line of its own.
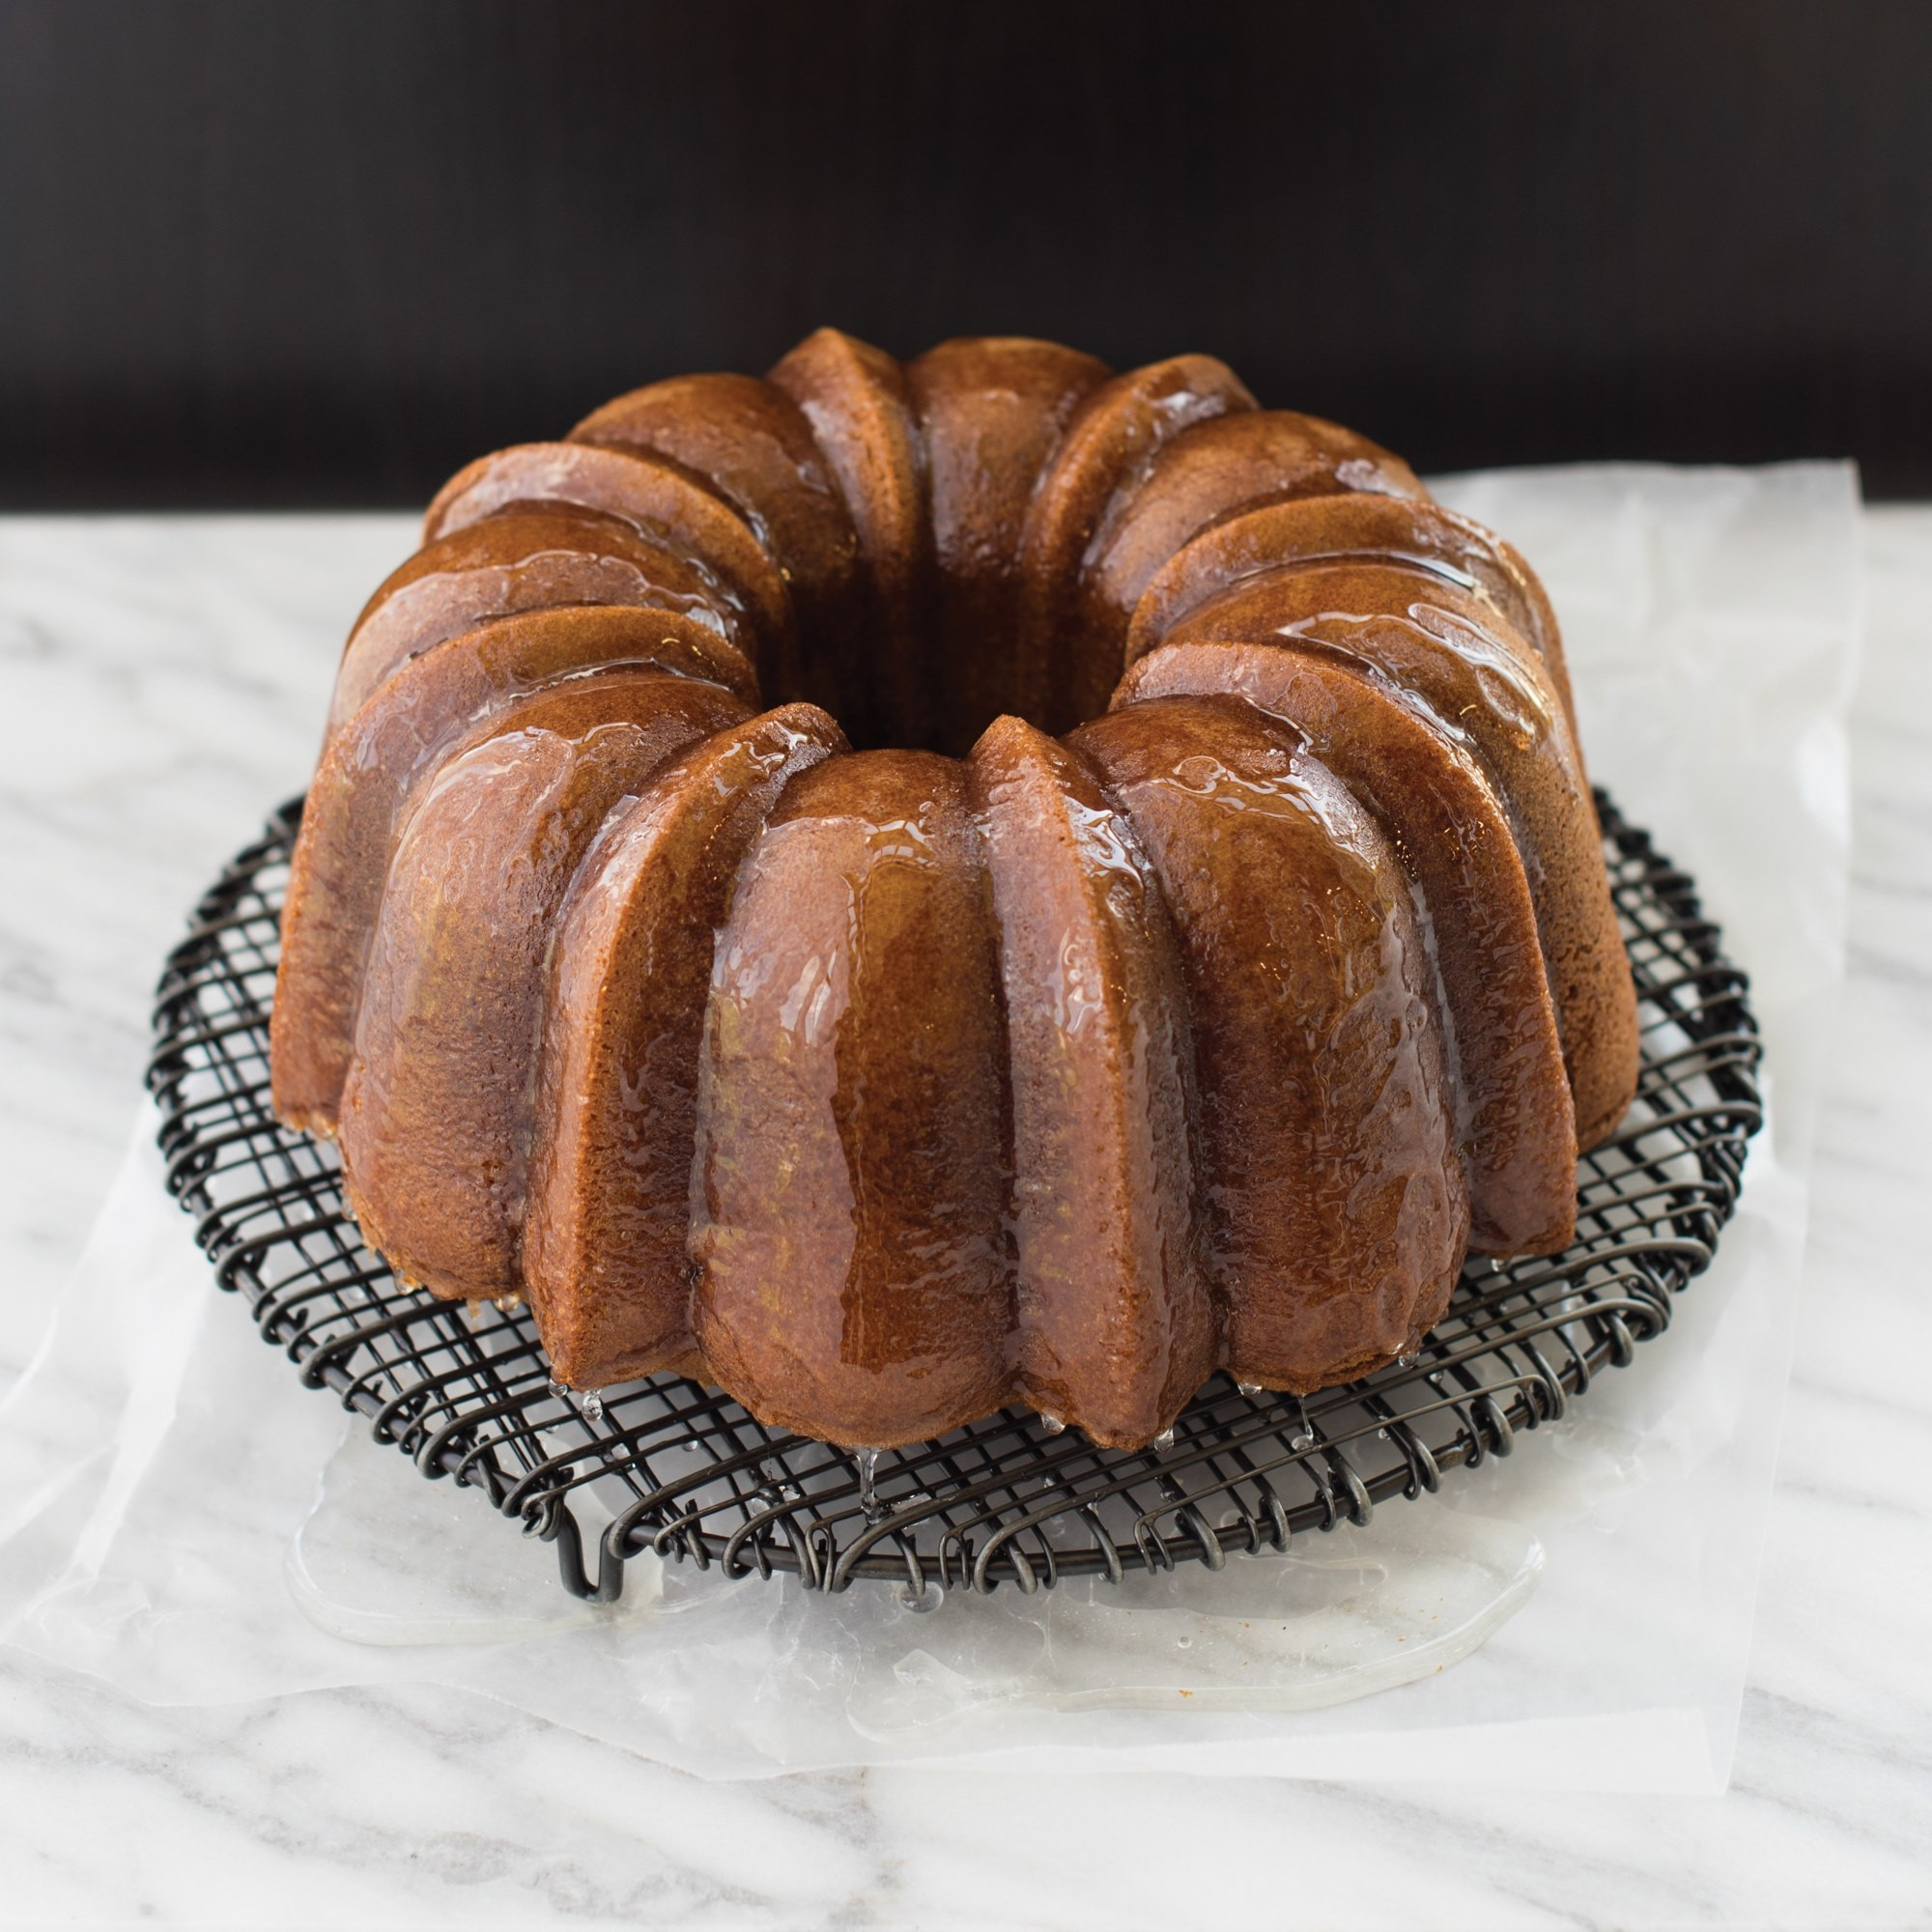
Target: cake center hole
[{"x": 935, "y": 690}]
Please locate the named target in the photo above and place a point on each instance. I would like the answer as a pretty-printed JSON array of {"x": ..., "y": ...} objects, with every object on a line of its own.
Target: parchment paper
[{"x": 185, "y": 1521}]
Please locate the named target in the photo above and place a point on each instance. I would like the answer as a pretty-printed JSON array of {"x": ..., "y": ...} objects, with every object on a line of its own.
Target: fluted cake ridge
[{"x": 902, "y": 889}]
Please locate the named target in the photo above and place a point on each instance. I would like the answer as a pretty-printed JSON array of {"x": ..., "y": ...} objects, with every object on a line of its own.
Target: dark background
[{"x": 255, "y": 251}]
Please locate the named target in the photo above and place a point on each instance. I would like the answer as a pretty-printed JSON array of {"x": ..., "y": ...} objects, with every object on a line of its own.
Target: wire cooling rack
[{"x": 669, "y": 1465}]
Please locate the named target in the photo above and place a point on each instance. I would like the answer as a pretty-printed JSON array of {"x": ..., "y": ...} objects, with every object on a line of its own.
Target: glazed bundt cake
[{"x": 1190, "y": 940}]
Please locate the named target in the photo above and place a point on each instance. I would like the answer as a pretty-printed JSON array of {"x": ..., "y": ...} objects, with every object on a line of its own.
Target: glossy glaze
[
  {"x": 1109, "y": 446},
  {"x": 1516, "y": 1128},
  {"x": 525, "y": 559},
  {"x": 623, "y": 1020},
  {"x": 850, "y": 1189},
  {"x": 1446, "y": 656},
  {"x": 886, "y": 1087},
  {"x": 1337, "y": 1210},
  {"x": 1114, "y": 1321},
  {"x": 992, "y": 411},
  {"x": 1359, "y": 527},
  {"x": 370, "y": 768},
  {"x": 436, "y": 1120},
  {"x": 858, "y": 404},
  {"x": 752, "y": 443},
  {"x": 1209, "y": 470},
  {"x": 642, "y": 489}
]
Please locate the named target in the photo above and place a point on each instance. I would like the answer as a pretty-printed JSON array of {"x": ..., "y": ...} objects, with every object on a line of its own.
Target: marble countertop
[{"x": 162, "y": 678}]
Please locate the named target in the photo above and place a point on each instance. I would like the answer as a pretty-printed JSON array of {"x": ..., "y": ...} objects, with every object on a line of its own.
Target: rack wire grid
[{"x": 669, "y": 1465}]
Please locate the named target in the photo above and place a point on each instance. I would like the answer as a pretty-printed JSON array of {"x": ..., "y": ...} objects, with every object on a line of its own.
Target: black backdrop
[{"x": 283, "y": 251}]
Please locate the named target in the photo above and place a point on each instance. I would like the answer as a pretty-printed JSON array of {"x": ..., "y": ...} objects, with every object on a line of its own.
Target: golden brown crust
[
  {"x": 993, "y": 410},
  {"x": 1211, "y": 470},
  {"x": 623, "y": 1019},
  {"x": 1357, "y": 526},
  {"x": 1110, "y": 445},
  {"x": 752, "y": 443},
  {"x": 435, "y": 1112},
  {"x": 849, "y": 1193},
  {"x": 1515, "y": 1124},
  {"x": 370, "y": 767},
  {"x": 888, "y": 1088},
  {"x": 857, "y": 400},
  {"x": 1337, "y": 1208},
  {"x": 1447, "y": 655},
  {"x": 637, "y": 486},
  {"x": 524, "y": 560},
  {"x": 1114, "y": 1325}
]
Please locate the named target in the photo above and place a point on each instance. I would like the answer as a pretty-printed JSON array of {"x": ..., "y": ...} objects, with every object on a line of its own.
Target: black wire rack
[{"x": 669, "y": 1465}]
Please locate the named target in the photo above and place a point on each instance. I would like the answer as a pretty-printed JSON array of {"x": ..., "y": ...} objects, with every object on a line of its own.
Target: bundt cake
[{"x": 1190, "y": 941}]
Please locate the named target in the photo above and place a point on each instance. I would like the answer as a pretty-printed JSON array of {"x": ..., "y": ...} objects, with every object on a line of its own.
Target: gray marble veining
[{"x": 162, "y": 680}]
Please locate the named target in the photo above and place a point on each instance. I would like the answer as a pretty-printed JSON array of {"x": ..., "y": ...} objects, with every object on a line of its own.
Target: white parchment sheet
[{"x": 181, "y": 1518}]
